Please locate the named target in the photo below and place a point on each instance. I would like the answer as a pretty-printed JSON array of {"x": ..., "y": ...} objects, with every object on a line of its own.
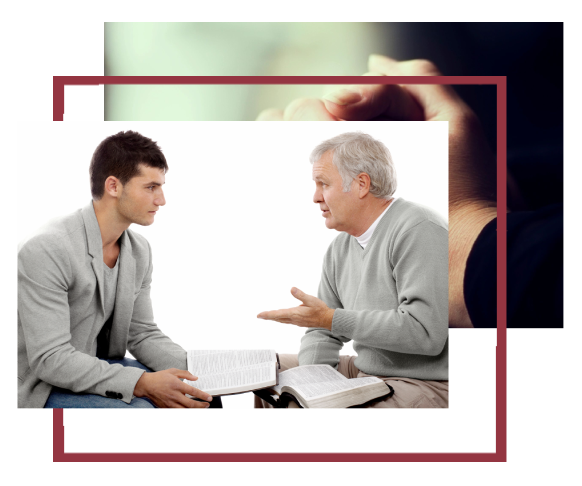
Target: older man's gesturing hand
[{"x": 311, "y": 313}]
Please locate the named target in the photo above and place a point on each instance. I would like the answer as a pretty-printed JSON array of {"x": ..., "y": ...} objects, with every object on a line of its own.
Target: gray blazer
[{"x": 60, "y": 313}]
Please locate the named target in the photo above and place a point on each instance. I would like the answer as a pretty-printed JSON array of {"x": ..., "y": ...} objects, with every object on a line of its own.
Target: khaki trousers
[{"x": 408, "y": 392}]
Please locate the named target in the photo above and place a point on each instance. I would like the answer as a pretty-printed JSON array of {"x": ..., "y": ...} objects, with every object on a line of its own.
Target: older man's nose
[{"x": 317, "y": 196}]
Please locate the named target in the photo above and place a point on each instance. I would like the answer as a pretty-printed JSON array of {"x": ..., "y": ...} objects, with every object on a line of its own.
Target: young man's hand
[
  {"x": 167, "y": 390},
  {"x": 311, "y": 313}
]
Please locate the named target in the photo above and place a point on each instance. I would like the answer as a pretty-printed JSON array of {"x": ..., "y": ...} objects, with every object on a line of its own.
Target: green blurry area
[{"x": 227, "y": 49}]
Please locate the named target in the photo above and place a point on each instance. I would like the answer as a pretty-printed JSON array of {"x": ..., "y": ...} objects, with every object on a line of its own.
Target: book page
[
  {"x": 206, "y": 362},
  {"x": 250, "y": 377},
  {"x": 318, "y": 390},
  {"x": 308, "y": 374}
]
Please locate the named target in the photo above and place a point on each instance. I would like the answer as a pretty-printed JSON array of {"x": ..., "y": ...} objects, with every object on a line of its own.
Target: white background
[{"x": 239, "y": 228}]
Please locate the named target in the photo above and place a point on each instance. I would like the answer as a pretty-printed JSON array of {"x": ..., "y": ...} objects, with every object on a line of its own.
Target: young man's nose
[{"x": 160, "y": 200}]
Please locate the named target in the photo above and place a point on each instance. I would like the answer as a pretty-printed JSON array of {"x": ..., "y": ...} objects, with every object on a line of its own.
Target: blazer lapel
[
  {"x": 94, "y": 247},
  {"x": 123, "y": 299}
]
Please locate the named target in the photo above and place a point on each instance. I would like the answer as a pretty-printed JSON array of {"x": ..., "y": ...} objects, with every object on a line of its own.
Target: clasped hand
[{"x": 311, "y": 313}]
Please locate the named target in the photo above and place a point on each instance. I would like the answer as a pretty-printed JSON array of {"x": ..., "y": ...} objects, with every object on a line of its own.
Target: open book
[
  {"x": 320, "y": 386},
  {"x": 228, "y": 372}
]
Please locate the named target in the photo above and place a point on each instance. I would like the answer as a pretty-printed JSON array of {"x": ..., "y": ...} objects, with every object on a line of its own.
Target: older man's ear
[{"x": 363, "y": 181}]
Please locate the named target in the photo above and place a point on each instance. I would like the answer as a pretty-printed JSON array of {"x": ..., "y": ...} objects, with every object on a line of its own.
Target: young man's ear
[{"x": 113, "y": 187}]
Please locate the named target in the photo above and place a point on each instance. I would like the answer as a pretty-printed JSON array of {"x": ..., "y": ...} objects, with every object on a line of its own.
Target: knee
[
  {"x": 129, "y": 362},
  {"x": 288, "y": 361},
  {"x": 141, "y": 403}
]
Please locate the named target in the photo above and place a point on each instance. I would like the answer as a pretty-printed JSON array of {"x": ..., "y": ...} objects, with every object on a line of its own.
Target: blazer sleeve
[
  {"x": 419, "y": 325},
  {"x": 146, "y": 342},
  {"x": 44, "y": 276},
  {"x": 318, "y": 345}
]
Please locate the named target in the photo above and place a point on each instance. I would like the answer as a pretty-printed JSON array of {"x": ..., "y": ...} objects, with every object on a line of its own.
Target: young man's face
[
  {"x": 142, "y": 196},
  {"x": 339, "y": 208}
]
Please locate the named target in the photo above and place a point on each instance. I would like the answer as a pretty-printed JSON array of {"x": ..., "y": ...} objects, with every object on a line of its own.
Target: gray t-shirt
[
  {"x": 110, "y": 275},
  {"x": 110, "y": 288}
]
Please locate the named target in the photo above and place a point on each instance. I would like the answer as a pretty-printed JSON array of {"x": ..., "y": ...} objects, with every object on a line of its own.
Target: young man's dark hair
[{"x": 120, "y": 155}]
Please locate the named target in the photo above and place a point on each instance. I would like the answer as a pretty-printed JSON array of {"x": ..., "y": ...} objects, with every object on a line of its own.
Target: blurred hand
[
  {"x": 167, "y": 390},
  {"x": 472, "y": 169},
  {"x": 311, "y": 313}
]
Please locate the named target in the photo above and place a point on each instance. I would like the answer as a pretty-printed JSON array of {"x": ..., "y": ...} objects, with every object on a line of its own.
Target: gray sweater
[{"x": 391, "y": 298}]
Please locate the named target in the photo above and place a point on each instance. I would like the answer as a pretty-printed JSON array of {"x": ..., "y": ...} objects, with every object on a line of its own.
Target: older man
[{"x": 384, "y": 283}]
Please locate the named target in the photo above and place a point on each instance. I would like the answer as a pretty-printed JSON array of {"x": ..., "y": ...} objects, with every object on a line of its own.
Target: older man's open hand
[{"x": 311, "y": 313}]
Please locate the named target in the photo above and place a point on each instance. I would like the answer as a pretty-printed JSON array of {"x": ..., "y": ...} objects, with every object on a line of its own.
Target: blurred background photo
[{"x": 529, "y": 54}]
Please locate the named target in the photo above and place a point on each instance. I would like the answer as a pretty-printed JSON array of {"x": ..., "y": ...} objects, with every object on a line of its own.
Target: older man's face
[{"x": 339, "y": 208}]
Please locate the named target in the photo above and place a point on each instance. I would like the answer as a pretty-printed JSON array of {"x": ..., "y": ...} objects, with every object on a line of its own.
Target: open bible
[
  {"x": 320, "y": 386},
  {"x": 228, "y": 372}
]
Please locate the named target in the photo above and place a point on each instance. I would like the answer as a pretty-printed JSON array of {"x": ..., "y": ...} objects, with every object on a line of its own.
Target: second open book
[{"x": 320, "y": 386}]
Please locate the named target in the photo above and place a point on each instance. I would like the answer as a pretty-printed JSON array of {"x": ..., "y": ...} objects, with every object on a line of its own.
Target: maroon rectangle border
[{"x": 500, "y": 454}]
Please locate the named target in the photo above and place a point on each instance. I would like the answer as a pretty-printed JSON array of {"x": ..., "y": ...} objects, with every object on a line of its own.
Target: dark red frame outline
[{"x": 500, "y": 454}]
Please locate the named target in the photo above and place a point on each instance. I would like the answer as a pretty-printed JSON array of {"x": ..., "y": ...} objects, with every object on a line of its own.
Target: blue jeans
[{"x": 61, "y": 398}]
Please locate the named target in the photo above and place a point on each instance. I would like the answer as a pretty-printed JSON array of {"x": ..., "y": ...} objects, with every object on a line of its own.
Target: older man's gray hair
[{"x": 357, "y": 152}]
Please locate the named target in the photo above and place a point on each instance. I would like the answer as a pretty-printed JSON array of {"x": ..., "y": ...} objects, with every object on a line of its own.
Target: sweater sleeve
[
  {"x": 318, "y": 345},
  {"x": 419, "y": 324}
]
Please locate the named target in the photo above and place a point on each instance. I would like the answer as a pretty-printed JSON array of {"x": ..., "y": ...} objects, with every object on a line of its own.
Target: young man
[
  {"x": 84, "y": 296},
  {"x": 384, "y": 283}
]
